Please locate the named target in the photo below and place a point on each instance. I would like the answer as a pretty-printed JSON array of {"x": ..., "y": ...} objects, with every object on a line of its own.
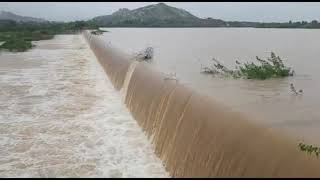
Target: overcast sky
[{"x": 244, "y": 11}]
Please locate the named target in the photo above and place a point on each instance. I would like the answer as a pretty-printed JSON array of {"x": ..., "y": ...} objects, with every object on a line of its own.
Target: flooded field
[
  {"x": 61, "y": 117},
  {"x": 182, "y": 51}
]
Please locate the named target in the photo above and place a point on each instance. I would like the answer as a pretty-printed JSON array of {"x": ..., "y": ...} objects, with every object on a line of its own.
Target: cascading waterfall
[
  {"x": 124, "y": 88},
  {"x": 192, "y": 134}
]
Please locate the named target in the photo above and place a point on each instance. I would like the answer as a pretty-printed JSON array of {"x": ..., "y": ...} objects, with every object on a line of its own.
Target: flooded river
[
  {"x": 61, "y": 117},
  {"x": 183, "y": 51}
]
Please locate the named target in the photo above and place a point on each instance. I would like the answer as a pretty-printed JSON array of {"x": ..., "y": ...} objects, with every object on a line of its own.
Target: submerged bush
[
  {"x": 309, "y": 149},
  {"x": 293, "y": 90},
  {"x": 272, "y": 67},
  {"x": 145, "y": 55},
  {"x": 98, "y": 32}
]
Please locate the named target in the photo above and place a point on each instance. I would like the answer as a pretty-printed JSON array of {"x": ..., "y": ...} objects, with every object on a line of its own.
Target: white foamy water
[{"x": 61, "y": 117}]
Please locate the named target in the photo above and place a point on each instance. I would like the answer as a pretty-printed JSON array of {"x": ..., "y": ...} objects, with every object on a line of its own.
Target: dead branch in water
[
  {"x": 171, "y": 77},
  {"x": 219, "y": 69},
  {"x": 98, "y": 32},
  {"x": 293, "y": 89},
  {"x": 145, "y": 55}
]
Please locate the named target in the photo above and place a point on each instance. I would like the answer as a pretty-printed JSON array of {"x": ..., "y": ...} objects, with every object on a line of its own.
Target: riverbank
[{"x": 19, "y": 36}]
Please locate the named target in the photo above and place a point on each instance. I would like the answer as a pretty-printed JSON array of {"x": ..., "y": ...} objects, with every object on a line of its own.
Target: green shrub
[
  {"x": 18, "y": 35},
  {"x": 16, "y": 45},
  {"x": 271, "y": 68},
  {"x": 309, "y": 149}
]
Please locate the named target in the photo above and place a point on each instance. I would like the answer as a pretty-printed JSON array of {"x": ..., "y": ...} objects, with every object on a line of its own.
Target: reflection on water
[
  {"x": 184, "y": 50},
  {"x": 61, "y": 117}
]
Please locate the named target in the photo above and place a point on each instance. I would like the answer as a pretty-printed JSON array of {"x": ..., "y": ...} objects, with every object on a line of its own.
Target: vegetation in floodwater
[
  {"x": 271, "y": 68},
  {"x": 145, "y": 55},
  {"x": 293, "y": 90},
  {"x": 309, "y": 149},
  {"x": 171, "y": 76},
  {"x": 98, "y": 32}
]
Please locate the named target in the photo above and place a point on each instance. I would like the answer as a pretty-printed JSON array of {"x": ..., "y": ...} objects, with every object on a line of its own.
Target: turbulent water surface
[
  {"x": 182, "y": 51},
  {"x": 61, "y": 117}
]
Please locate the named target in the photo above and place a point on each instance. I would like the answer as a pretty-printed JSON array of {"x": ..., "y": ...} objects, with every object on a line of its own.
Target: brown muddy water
[
  {"x": 193, "y": 134},
  {"x": 61, "y": 117},
  {"x": 182, "y": 51}
]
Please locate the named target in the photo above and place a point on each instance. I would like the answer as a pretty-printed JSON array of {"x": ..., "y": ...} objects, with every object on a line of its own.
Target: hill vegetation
[
  {"x": 5, "y": 15},
  {"x": 18, "y": 32},
  {"x": 162, "y": 15},
  {"x": 18, "y": 36},
  {"x": 157, "y": 15}
]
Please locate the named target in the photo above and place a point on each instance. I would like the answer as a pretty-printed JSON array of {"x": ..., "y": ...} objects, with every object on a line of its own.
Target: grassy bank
[
  {"x": 19, "y": 41},
  {"x": 18, "y": 37}
]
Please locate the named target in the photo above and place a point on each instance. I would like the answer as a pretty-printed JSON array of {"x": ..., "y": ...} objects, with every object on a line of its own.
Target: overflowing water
[
  {"x": 61, "y": 117},
  {"x": 182, "y": 51},
  {"x": 193, "y": 134}
]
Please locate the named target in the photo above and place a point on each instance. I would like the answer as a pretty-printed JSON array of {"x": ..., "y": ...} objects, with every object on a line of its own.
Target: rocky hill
[
  {"x": 4, "y": 15},
  {"x": 157, "y": 15}
]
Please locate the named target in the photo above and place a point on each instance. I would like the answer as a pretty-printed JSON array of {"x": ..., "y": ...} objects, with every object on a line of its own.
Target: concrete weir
[{"x": 192, "y": 134}]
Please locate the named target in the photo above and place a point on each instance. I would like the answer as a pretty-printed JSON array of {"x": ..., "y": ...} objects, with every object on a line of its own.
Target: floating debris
[
  {"x": 171, "y": 76},
  {"x": 293, "y": 89},
  {"x": 98, "y": 32},
  {"x": 145, "y": 55}
]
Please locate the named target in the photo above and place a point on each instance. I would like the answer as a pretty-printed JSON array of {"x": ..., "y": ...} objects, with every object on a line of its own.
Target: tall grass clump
[
  {"x": 309, "y": 149},
  {"x": 272, "y": 67}
]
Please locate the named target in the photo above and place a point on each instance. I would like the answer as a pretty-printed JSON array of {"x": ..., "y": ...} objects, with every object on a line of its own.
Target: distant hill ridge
[
  {"x": 157, "y": 15},
  {"x": 4, "y": 15},
  {"x": 162, "y": 15}
]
